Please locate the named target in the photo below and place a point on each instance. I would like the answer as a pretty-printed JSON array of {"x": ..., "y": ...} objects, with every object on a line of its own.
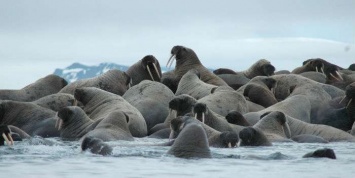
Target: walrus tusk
[
  {"x": 150, "y": 73},
  {"x": 56, "y": 120},
  {"x": 229, "y": 145},
  {"x": 322, "y": 70},
  {"x": 171, "y": 60},
  {"x": 349, "y": 103},
  {"x": 203, "y": 117},
  {"x": 10, "y": 137},
  {"x": 341, "y": 78},
  {"x": 75, "y": 103},
  {"x": 335, "y": 77},
  {"x": 342, "y": 99},
  {"x": 316, "y": 69},
  {"x": 156, "y": 70},
  {"x": 287, "y": 130},
  {"x": 60, "y": 124},
  {"x": 174, "y": 113},
  {"x": 7, "y": 140},
  {"x": 130, "y": 83},
  {"x": 171, "y": 135}
]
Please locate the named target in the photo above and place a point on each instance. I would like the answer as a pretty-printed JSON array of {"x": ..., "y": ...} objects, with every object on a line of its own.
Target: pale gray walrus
[
  {"x": 191, "y": 143},
  {"x": 151, "y": 99},
  {"x": 30, "y": 117},
  {"x": 215, "y": 138},
  {"x": 114, "y": 81},
  {"x": 42, "y": 87},
  {"x": 99, "y": 103},
  {"x": 192, "y": 85}
]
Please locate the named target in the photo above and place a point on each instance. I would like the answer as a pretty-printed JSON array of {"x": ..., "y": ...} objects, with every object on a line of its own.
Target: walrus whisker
[
  {"x": 342, "y": 99},
  {"x": 5, "y": 138},
  {"x": 156, "y": 70},
  {"x": 349, "y": 103},
  {"x": 150, "y": 73}
]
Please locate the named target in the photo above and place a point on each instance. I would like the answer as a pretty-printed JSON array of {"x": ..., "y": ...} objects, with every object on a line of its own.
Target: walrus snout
[
  {"x": 200, "y": 110},
  {"x": 5, "y": 135},
  {"x": 229, "y": 139}
]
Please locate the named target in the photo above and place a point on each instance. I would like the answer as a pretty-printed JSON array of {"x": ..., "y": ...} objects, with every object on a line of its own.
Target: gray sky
[{"x": 40, "y": 35}]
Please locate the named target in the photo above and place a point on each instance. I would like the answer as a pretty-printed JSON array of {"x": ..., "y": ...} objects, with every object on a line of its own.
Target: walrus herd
[{"x": 193, "y": 107}]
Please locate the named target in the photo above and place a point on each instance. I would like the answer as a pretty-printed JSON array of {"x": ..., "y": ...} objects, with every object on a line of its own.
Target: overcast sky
[{"x": 38, "y": 36}]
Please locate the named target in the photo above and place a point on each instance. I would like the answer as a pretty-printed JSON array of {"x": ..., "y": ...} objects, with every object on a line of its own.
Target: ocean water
[{"x": 141, "y": 158}]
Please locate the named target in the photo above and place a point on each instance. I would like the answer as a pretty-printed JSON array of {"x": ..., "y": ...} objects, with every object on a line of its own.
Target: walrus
[
  {"x": 114, "y": 81},
  {"x": 307, "y": 138},
  {"x": 147, "y": 68},
  {"x": 220, "y": 71},
  {"x": 259, "y": 95},
  {"x": 178, "y": 106},
  {"x": 99, "y": 103},
  {"x": 113, "y": 127},
  {"x": 73, "y": 123},
  {"x": 96, "y": 146},
  {"x": 191, "y": 84},
  {"x": 340, "y": 115},
  {"x": 5, "y": 136},
  {"x": 223, "y": 99},
  {"x": 261, "y": 67},
  {"x": 191, "y": 143},
  {"x": 285, "y": 83},
  {"x": 33, "y": 119},
  {"x": 147, "y": 94},
  {"x": 316, "y": 76},
  {"x": 315, "y": 65},
  {"x": 42, "y": 87},
  {"x": 274, "y": 126},
  {"x": 235, "y": 117},
  {"x": 217, "y": 139},
  {"x": 250, "y": 136},
  {"x": 187, "y": 59},
  {"x": 202, "y": 113},
  {"x": 234, "y": 80},
  {"x": 321, "y": 153},
  {"x": 56, "y": 101}
]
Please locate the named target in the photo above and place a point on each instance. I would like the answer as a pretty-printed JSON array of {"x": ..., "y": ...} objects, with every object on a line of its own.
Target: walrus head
[
  {"x": 274, "y": 121},
  {"x": 250, "y": 136},
  {"x": 235, "y": 117},
  {"x": 352, "y": 67},
  {"x": 96, "y": 146},
  {"x": 332, "y": 73},
  {"x": 200, "y": 110},
  {"x": 182, "y": 54},
  {"x": 5, "y": 136},
  {"x": 182, "y": 104},
  {"x": 150, "y": 63},
  {"x": 321, "y": 153},
  {"x": 229, "y": 139}
]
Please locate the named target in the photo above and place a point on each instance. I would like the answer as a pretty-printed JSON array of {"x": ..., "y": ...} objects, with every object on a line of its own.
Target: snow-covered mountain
[{"x": 78, "y": 71}]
